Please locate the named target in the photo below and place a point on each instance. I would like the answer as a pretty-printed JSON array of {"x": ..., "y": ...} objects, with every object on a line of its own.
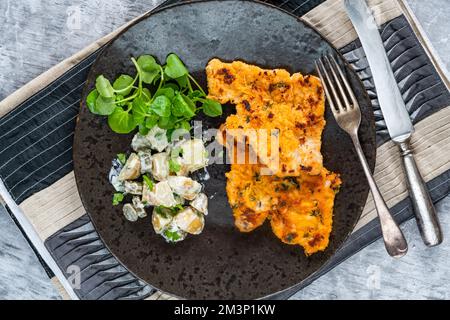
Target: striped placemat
[{"x": 36, "y": 134}]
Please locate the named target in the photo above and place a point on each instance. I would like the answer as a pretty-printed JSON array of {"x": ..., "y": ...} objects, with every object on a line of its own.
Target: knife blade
[
  {"x": 396, "y": 116},
  {"x": 389, "y": 97}
]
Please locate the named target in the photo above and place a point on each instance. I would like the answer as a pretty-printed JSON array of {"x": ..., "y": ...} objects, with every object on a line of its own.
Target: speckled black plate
[{"x": 221, "y": 262}]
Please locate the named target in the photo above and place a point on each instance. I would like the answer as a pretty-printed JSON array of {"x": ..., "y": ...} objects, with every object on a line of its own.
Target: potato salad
[{"x": 155, "y": 176}]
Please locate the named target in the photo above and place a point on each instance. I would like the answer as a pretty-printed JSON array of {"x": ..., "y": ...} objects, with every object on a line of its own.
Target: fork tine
[
  {"x": 346, "y": 84},
  {"x": 337, "y": 99},
  {"x": 338, "y": 82},
  {"x": 325, "y": 87}
]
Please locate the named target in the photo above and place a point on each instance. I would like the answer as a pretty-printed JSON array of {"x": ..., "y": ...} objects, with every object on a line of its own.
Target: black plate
[{"x": 221, "y": 262}]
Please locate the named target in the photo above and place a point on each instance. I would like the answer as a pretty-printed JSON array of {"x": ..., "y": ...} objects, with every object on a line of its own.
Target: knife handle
[{"x": 425, "y": 213}]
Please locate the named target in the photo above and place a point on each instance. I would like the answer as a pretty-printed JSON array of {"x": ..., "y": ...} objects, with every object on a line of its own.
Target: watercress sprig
[{"x": 164, "y": 95}]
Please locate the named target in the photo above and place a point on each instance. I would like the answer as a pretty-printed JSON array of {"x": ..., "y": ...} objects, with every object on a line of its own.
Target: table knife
[{"x": 396, "y": 117}]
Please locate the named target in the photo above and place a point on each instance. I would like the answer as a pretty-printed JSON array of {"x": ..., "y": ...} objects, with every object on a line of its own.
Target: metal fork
[{"x": 348, "y": 116}]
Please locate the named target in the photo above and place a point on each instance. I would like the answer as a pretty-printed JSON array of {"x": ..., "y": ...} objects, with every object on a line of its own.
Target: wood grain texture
[
  {"x": 54, "y": 207},
  {"x": 31, "y": 43}
]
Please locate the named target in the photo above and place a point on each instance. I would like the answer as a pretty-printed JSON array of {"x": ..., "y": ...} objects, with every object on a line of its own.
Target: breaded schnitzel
[{"x": 298, "y": 197}]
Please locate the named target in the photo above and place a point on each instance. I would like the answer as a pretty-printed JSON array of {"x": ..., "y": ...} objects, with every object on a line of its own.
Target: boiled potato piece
[
  {"x": 139, "y": 207},
  {"x": 132, "y": 168},
  {"x": 158, "y": 138},
  {"x": 155, "y": 139},
  {"x": 200, "y": 203},
  {"x": 161, "y": 218},
  {"x": 160, "y": 166},
  {"x": 194, "y": 155},
  {"x": 133, "y": 187},
  {"x": 190, "y": 221},
  {"x": 146, "y": 161},
  {"x": 140, "y": 143},
  {"x": 130, "y": 213},
  {"x": 184, "y": 186},
  {"x": 161, "y": 195}
]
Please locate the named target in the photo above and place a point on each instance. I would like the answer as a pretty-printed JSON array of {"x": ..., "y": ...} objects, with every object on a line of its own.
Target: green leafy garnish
[
  {"x": 104, "y": 87},
  {"x": 185, "y": 125},
  {"x": 122, "y": 157},
  {"x": 117, "y": 198},
  {"x": 164, "y": 95},
  {"x": 121, "y": 121},
  {"x": 123, "y": 85},
  {"x": 143, "y": 130},
  {"x": 104, "y": 106},
  {"x": 166, "y": 91},
  {"x": 160, "y": 210},
  {"x": 91, "y": 100},
  {"x": 183, "y": 106},
  {"x": 176, "y": 152},
  {"x": 167, "y": 122},
  {"x": 140, "y": 109},
  {"x": 174, "y": 166},
  {"x": 178, "y": 207},
  {"x": 148, "y": 182},
  {"x": 146, "y": 95},
  {"x": 149, "y": 69},
  {"x": 161, "y": 106},
  {"x": 151, "y": 121},
  {"x": 212, "y": 108},
  {"x": 174, "y": 67},
  {"x": 196, "y": 94}
]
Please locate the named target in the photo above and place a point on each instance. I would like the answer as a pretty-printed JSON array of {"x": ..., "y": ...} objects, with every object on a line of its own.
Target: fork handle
[
  {"x": 393, "y": 237},
  {"x": 425, "y": 213}
]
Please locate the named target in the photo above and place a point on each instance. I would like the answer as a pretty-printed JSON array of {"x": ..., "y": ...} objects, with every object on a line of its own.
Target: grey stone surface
[
  {"x": 433, "y": 16},
  {"x": 21, "y": 275},
  {"x": 37, "y": 34}
]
